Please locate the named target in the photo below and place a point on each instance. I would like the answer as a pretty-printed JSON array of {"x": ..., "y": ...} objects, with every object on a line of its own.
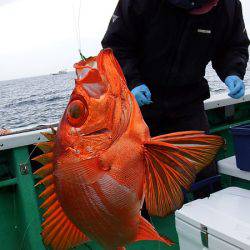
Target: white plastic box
[{"x": 220, "y": 222}]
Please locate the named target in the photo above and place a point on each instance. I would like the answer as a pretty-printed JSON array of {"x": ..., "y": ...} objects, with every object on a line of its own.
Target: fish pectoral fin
[
  {"x": 146, "y": 231},
  {"x": 172, "y": 162}
]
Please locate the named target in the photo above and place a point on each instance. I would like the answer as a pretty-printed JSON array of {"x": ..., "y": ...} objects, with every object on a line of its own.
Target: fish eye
[{"x": 76, "y": 113}]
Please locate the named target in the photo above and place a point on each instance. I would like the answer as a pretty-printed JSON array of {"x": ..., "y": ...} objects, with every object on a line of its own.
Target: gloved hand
[
  {"x": 142, "y": 95},
  {"x": 236, "y": 86}
]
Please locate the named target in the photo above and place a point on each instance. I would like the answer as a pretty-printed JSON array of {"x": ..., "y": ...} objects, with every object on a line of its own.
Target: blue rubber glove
[
  {"x": 236, "y": 86},
  {"x": 142, "y": 95}
]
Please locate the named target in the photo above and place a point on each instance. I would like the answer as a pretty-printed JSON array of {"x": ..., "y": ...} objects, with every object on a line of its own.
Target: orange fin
[
  {"x": 48, "y": 191},
  {"x": 50, "y": 136},
  {"x": 46, "y": 181},
  {"x": 58, "y": 231},
  {"x": 147, "y": 232},
  {"x": 44, "y": 158},
  {"x": 172, "y": 162},
  {"x": 46, "y": 147},
  {"x": 45, "y": 170}
]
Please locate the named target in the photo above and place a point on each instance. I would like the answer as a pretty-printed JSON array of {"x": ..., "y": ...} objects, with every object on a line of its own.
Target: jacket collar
[{"x": 205, "y": 8}]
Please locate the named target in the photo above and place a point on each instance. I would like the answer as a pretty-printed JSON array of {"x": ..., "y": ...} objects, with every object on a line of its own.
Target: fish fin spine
[
  {"x": 57, "y": 229},
  {"x": 49, "y": 136},
  {"x": 46, "y": 147}
]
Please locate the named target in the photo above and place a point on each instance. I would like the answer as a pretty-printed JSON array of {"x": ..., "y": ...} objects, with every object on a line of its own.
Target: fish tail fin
[
  {"x": 172, "y": 162},
  {"x": 58, "y": 231},
  {"x": 146, "y": 231}
]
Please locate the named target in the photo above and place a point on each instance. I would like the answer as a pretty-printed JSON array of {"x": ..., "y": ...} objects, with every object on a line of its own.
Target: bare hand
[{"x": 5, "y": 132}]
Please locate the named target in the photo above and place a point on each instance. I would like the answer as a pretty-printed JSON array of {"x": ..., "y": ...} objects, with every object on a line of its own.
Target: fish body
[
  {"x": 116, "y": 196},
  {"x": 103, "y": 164}
]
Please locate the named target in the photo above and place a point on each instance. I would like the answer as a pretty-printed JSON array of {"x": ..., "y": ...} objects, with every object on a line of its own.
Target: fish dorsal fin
[
  {"x": 172, "y": 162},
  {"x": 58, "y": 231}
]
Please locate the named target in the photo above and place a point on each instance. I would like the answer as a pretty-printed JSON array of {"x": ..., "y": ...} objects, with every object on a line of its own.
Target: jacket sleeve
[
  {"x": 232, "y": 57},
  {"x": 124, "y": 35}
]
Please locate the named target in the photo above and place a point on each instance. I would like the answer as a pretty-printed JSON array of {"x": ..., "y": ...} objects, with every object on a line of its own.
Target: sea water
[{"x": 29, "y": 102}]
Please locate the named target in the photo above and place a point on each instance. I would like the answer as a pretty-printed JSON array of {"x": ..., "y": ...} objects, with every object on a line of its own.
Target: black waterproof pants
[{"x": 162, "y": 120}]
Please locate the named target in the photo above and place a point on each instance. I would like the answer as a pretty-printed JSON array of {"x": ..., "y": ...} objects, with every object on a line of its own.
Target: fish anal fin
[
  {"x": 172, "y": 162},
  {"x": 146, "y": 231}
]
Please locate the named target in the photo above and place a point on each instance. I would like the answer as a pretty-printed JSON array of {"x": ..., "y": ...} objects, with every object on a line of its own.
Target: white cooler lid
[
  {"x": 228, "y": 167},
  {"x": 226, "y": 214}
]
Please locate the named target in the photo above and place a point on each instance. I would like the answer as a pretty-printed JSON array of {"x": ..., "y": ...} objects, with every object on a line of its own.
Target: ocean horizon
[{"x": 34, "y": 101}]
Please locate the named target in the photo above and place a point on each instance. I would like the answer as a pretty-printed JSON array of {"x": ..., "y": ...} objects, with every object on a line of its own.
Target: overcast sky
[{"x": 38, "y": 36}]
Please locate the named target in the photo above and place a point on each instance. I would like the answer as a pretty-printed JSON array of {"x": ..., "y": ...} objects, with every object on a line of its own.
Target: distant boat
[{"x": 61, "y": 72}]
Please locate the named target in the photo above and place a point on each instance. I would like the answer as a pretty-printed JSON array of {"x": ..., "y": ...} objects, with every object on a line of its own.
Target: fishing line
[
  {"x": 28, "y": 159},
  {"x": 78, "y": 26},
  {"x": 14, "y": 206},
  {"x": 76, "y": 7},
  {"x": 25, "y": 232},
  {"x": 31, "y": 153},
  {"x": 75, "y": 26}
]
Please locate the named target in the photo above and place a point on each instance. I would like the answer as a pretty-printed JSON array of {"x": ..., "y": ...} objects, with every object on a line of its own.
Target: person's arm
[
  {"x": 232, "y": 57},
  {"x": 4, "y": 131},
  {"x": 124, "y": 37}
]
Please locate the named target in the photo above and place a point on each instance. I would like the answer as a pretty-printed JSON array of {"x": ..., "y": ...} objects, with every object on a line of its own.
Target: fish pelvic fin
[
  {"x": 57, "y": 229},
  {"x": 146, "y": 231},
  {"x": 172, "y": 162}
]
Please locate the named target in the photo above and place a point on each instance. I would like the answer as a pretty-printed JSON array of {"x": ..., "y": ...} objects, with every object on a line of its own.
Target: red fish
[{"x": 101, "y": 164}]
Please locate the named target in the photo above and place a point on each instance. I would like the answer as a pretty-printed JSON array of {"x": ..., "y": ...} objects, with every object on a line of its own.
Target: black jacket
[{"x": 168, "y": 49}]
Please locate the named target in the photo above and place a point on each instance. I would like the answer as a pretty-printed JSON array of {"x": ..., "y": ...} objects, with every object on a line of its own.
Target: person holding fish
[
  {"x": 164, "y": 47},
  {"x": 102, "y": 163}
]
